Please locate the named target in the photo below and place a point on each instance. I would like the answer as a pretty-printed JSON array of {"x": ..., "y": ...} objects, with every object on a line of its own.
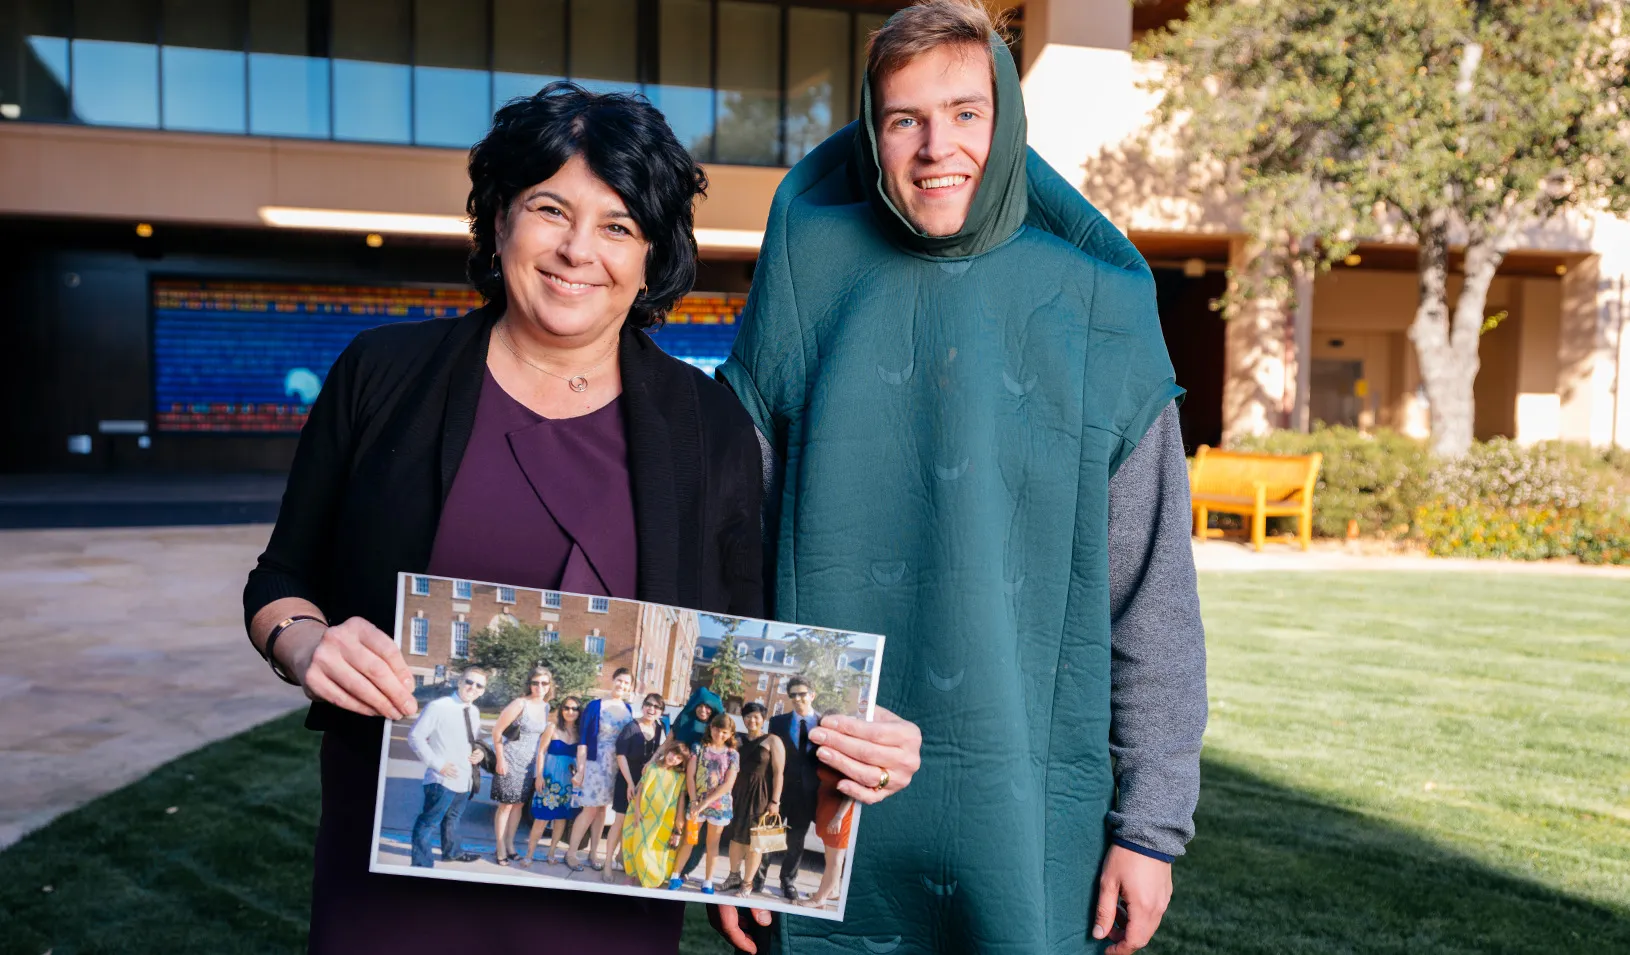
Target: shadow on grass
[
  {"x": 226, "y": 872},
  {"x": 1275, "y": 871}
]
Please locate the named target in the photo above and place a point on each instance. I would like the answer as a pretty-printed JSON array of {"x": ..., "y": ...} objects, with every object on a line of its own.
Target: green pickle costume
[{"x": 948, "y": 412}]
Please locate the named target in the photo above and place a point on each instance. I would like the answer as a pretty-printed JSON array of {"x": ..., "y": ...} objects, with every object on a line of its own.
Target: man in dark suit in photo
[{"x": 800, "y": 781}]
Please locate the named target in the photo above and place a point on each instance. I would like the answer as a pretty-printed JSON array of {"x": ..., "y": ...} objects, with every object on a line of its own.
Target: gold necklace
[{"x": 578, "y": 383}]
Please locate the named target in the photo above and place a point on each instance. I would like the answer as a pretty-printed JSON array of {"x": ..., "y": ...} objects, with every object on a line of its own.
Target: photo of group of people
[{"x": 598, "y": 744}]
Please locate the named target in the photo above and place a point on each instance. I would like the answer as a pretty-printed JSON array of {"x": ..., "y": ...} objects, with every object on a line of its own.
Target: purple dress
[{"x": 537, "y": 502}]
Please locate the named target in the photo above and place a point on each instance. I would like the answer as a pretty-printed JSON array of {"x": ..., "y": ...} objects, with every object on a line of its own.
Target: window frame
[{"x": 419, "y": 643}]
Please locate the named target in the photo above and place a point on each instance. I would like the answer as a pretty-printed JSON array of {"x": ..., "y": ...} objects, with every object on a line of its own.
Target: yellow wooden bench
[{"x": 1254, "y": 486}]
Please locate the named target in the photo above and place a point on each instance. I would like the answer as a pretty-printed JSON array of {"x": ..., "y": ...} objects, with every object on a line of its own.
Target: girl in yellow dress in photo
[{"x": 656, "y": 812}]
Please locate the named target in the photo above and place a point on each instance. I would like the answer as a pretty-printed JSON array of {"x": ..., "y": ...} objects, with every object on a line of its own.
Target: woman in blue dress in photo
[{"x": 557, "y": 755}]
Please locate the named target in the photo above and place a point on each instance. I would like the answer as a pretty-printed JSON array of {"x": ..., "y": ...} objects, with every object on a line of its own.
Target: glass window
[
  {"x": 418, "y": 680},
  {"x": 843, "y": 661},
  {"x": 595, "y": 645},
  {"x": 767, "y": 655},
  {"x": 114, "y": 61},
  {"x": 763, "y": 681},
  {"x": 506, "y": 595},
  {"x": 421, "y": 586},
  {"x": 528, "y": 47},
  {"x": 603, "y": 45},
  {"x": 451, "y": 86},
  {"x": 288, "y": 74},
  {"x": 372, "y": 80},
  {"x": 461, "y": 638},
  {"x": 34, "y": 59},
  {"x": 599, "y": 605},
  {"x": 684, "y": 88},
  {"x": 869, "y": 664},
  {"x": 741, "y": 651},
  {"x": 865, "y": 25},
  {"x": 698, "y": 653},
  {"x": 549, "y": 636},
  {"x": 420, "y": 628},
  {"x": 552, "y": 599},
  {"x": 781, "y": 685},
  {"x": 461, "y": 590},
  {"x": 749, "y": 83},
  {"x": 779, "y": 706},
  {"x": 817, "y": 78},
  {"x": 203, "y": 65}
]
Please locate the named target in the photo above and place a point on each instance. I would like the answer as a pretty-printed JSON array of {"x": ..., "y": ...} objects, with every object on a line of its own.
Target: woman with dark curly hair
[{"x": 541, "y": 440}]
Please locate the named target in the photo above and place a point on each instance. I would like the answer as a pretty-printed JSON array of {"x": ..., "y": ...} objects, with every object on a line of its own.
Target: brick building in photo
[{"x": 440, "y": 614}]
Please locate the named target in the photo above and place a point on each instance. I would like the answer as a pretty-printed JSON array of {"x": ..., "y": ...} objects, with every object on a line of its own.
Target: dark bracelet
[{"x": 271, "y": 641}]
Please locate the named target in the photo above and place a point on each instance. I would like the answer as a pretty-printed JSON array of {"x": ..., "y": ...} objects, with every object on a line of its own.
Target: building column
[
  {"x": 1259, "y": 362},
  {"x": 1300, "y": 375},
  {"x": 1592, "y": 364},
  {"x": 1079, "y": 90}
]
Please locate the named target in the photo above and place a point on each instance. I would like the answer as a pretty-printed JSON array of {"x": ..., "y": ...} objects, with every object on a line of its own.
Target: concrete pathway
[
  {"x": 1228, "y": 555},
  {"x": 121, "y": 649}
]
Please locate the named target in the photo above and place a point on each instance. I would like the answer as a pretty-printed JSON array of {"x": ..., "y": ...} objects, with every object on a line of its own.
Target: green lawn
[{"x": 1396, "y": 764}]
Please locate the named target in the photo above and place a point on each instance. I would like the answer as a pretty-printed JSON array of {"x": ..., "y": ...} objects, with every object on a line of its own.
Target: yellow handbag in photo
[{"x": 770, "y": 835}]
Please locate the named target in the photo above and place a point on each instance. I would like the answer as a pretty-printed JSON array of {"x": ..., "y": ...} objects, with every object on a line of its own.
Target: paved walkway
[
  {"x": 122, "y": 649},
  {"x": 1228, "y": 555}
]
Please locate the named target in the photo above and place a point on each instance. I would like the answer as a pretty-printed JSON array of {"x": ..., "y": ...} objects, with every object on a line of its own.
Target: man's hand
[
  {"x": 475, "y": 757},
  {"x": 448, "y": 769},
  {"x": 726, "y": 922},
  {"x": 1144, "y": 885},
  {"x": 862, "y": 751}
]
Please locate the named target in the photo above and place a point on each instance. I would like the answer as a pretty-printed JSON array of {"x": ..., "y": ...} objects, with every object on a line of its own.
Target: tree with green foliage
[
  {"x": 817, "y": 652},
  {"x": 724, "y": 670},
  {"x": 511, "y": 649},
  {"x": 1464, "y": 122}
]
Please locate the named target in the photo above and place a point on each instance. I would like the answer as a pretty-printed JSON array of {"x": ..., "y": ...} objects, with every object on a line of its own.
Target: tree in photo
[
  {"x": 817, "y": 653},
  {"x": 510, "y": 649},
  {"x": 724, "y": 670},
  {"x": 1454, "y": 123}
]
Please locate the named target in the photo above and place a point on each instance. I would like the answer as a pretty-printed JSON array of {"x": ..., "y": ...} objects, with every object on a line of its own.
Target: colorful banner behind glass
[{"x": 251, "y": 357}]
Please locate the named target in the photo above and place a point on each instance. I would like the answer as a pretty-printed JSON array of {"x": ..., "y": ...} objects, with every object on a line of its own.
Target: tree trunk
[{"x": 1447, "y": 345}]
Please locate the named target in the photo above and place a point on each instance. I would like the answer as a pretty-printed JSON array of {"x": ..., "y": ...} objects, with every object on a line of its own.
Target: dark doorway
[{"x": 1195, "y": 338}]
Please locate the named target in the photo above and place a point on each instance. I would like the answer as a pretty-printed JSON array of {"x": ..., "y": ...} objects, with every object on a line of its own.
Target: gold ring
[{"x": 882, "y": 783}]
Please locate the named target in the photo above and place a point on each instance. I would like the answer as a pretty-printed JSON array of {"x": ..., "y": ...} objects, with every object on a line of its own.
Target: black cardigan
[{"x": 377, "y": 457}]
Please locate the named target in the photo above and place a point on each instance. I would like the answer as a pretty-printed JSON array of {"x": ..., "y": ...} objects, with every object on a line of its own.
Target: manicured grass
[
  {"x": 1412, "y": 763},
  {"x": 1396, "y": 764}
]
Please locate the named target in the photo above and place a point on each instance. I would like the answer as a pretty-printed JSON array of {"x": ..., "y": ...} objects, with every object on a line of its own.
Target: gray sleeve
[{"x": 1158, "y": 654}]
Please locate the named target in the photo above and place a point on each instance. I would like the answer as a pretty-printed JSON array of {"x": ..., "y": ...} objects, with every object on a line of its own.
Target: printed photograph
[{"x": 596, "y": 744}]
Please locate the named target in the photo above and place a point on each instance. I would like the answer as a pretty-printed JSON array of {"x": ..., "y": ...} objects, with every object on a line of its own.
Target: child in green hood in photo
[{"x": 970, "y": 424}]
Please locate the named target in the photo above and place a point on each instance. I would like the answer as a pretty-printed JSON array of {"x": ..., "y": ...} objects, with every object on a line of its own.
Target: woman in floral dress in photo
[
  {"x": 557, "y": 754},
  {"x": 603, "y": 722},
  {"x": 712, "y": 776},
  {"x": 512, "y": 784}
]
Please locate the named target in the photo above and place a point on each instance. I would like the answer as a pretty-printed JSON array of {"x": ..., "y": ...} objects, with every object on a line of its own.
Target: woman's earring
[{"x": 492, "y": 263}]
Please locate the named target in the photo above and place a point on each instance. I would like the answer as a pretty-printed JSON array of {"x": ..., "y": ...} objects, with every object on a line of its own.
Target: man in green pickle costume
[{"x": 970, "y": 427}]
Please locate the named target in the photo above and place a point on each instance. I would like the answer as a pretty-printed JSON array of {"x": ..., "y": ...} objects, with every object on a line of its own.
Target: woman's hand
[
  {"x": 774, "y": 808},
  {"x": 863, "y": 750},
  {"x": 352, "y": 665},
  {"x": 835, "y": 826},
  {"x": 498, "y": 764},
  {"x": 538, "y": 784}
]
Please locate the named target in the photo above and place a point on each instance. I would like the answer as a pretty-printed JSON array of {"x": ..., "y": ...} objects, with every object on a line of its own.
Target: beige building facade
[{"x": 78, "y": 192}]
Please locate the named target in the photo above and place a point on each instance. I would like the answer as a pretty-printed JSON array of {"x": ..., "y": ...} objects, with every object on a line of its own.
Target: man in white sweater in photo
[{"x": 444, "y": 738}]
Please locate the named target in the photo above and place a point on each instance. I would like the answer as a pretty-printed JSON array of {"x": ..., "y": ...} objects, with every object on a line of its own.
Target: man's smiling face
[{"x": 935, "y": 116}]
